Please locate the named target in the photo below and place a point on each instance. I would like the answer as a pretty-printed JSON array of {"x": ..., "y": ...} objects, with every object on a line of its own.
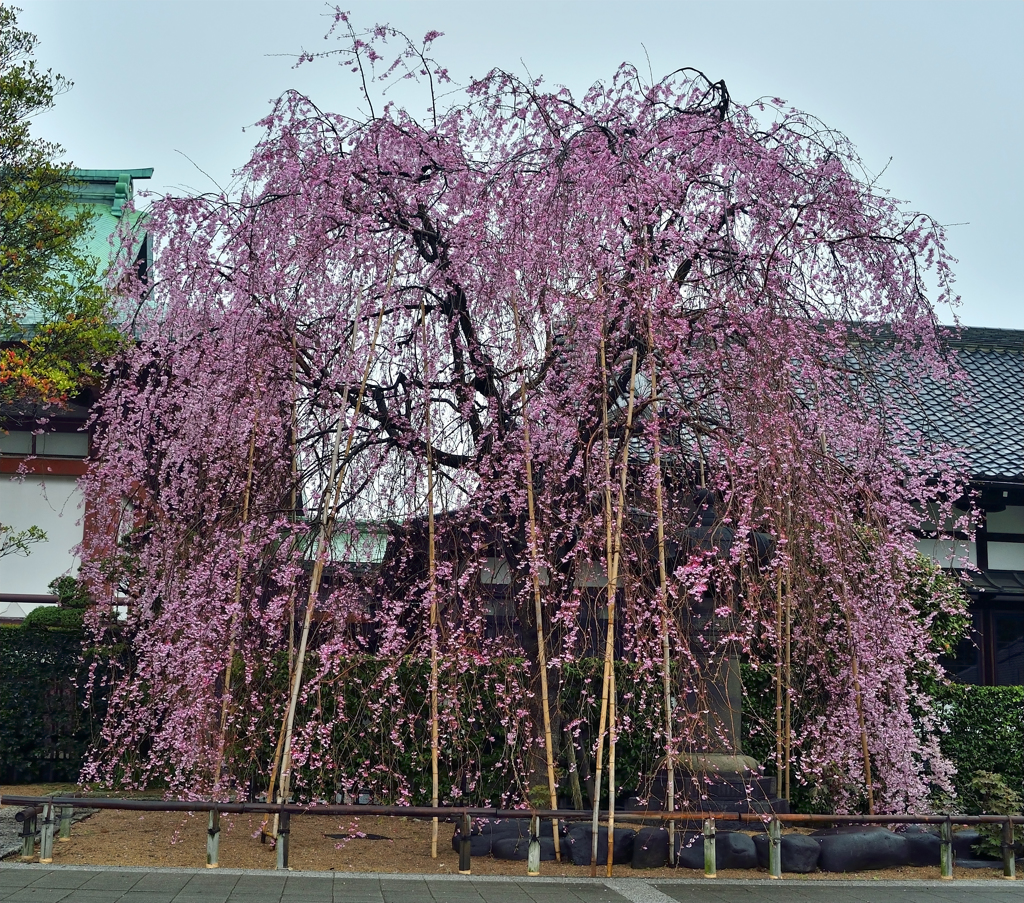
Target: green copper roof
[
  {"x": 108, "y": 187},
  {"x": 106, "y": 191}
]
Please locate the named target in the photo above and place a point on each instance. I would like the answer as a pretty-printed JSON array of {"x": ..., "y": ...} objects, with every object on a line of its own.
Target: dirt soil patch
[{"x": 160, "y": 839}]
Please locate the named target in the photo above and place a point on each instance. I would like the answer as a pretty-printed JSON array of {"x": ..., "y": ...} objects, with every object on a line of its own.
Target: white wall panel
[{"x": 56, "y": 507}]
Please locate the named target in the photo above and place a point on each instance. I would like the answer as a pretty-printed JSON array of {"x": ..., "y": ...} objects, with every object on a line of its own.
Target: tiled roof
[
  {"x": 990, "y": 425},
  {"x": 982, "y": 414}
]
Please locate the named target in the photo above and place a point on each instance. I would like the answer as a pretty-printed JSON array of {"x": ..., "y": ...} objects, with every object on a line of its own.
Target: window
[
  {"x": 1008, "y": 643},
  {"x": 46, "y": 445},
  {"x": 16, "y": 442}
]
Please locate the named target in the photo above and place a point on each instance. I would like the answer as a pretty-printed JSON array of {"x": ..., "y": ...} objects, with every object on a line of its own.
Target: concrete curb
[{"x": 522, "y": 879}]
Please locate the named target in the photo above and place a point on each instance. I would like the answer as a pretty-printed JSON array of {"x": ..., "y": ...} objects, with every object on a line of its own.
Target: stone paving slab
[{"x": 95, "y": 884}]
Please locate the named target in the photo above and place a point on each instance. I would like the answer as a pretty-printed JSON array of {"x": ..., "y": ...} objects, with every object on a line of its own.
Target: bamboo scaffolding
[
  {"x": 779, "y": 755},
  {"x": 432, "y": 590},
  {"x": 613, "y": 550},
  {"x": 612, "y": 737},
  {"x": 610, "y": 603},
  {"x": 333, "y": 492},
  {"x": 868, "y": 782},
  {"x": 542, "y": 662},
  {"x": 666, "y": 651},
  {"x": 613, "y": 583}
]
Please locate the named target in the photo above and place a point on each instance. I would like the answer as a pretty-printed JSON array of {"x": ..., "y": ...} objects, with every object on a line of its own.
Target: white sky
[{"x": 935, "y": 87}]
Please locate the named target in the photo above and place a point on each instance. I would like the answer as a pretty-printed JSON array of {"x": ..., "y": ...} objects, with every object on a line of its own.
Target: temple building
[{"x": 44, "y": 448}]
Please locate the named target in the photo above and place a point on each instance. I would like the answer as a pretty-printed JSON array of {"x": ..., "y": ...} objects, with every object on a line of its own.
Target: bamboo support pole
[
  {"x": 432, "y": 590},
  {"x": 542, "y": 658},
  {"x": 666, "y": 651},
  {"x": 434, "y": 732},
  {"x": 610, "y": 607},
  {"x": 46, "y": 834},
  {"x": 710, "y": 852},
  {"x": 574, "y": 774},
  {"x": 279, "y": 749},
  {"x": 611, "y": 773},
  {"x": 863, "y": 736},
  {"x": 614, "y": 550},
  {"x": 774, "y": 848},
  {"x": 946, "y": 850},
  {"x": 1009, "y": 864},
  {"x": 779, "y": 756},
  {"x": 213, "y": 840},
  {"x": 66, "y": 814},
  {"x": 332, "y": 491}
]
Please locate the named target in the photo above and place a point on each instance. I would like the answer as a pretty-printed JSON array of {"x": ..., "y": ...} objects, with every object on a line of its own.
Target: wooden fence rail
[{"x": 48, "y": 807}]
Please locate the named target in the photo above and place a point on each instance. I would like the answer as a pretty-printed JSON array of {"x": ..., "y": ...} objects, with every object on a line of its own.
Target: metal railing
[{"x": 56, "y": 809}]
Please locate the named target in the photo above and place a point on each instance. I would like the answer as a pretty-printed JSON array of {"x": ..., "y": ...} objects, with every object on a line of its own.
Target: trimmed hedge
[
  {"x": 46, "y": 726},
  {"x": 45, "y": 729},
  {"x": 986, "y": 733}
]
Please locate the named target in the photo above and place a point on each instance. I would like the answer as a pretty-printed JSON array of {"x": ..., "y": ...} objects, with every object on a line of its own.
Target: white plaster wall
[{"x": 55, "y": 505}]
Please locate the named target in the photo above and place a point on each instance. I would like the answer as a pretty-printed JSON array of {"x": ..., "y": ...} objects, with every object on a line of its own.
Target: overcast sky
[{"x": 935, "y": 88}]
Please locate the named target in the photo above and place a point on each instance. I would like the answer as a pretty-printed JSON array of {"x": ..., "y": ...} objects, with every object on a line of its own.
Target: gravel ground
[
  {"x": 10, "y": 830},
  {"x": 402, "y": 846}
]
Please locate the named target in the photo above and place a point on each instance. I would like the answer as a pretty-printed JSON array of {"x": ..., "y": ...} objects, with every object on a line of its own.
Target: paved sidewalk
[{"x": 93, "y": 884}]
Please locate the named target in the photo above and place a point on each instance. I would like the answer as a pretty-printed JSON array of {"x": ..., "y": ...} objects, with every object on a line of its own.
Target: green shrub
[
  {"x": 985, "y": 734},
  {"x": 67, "y": 614},
  {"x": 995, "y": 798},
  {"x": 52, "y": 617}
]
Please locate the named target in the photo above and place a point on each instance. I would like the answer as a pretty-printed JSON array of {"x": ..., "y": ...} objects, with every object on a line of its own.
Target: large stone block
[
  {"x": 519, "y": 848},
  {"x": 861, "y": 850},
  {"x": 690, "y": 850},
  {"x": 650, "y": 848},
  {"x": 479, "y": 844},
  {"x": 923, "y": 845},
  {"x": 732, "y": 850},
  {"x": 735, "y": 851},
  {"x": 798, "y": 853},
  {"x": 580, "y": 844}
]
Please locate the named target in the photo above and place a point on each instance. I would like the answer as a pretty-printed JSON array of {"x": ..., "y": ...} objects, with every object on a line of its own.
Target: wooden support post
[
  {"x": 66, "y": 812},
  {"x": 710, "y": 863},
  {"x": 28, "y": 839},
  {"x": 774, "y": 849},
  {"x": 46, "y": 834},
  {"x": 946, "y": 851},
  {"x": 533, "y": 855},
  {"x": 283, "y": 834},
  {"x": 1009, "y": 865},
  {"x": 213, "y": 840},
  {"x": 465, "y": 846}
]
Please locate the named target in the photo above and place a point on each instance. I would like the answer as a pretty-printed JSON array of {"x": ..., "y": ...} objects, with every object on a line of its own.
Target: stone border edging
[{"x": 502, "y": 879}]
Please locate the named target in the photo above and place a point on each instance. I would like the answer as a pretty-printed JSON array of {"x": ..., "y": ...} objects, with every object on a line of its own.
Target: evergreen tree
[{"x": 54, "y": 315}]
